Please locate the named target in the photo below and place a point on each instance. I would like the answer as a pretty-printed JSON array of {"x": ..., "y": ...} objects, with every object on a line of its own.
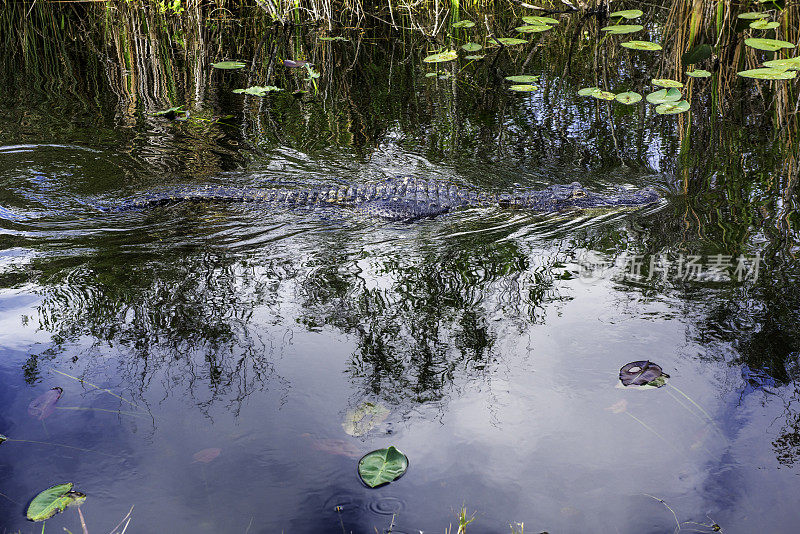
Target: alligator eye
[{"x": 578, "y": 194}]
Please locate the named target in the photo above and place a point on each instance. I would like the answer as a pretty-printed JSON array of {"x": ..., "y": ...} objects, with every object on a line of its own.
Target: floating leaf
[
  {"x": 666, "y": 83},
  {"x": 784, "y": 64},
  {"x": 337, "y": 38},
  {"x": 169, "y": 113},
  {"x": 524, "y": 78},
  {"x": 671, "y": 108},
  {"x": 471, "y": 47},
  {"x": 589, "y": 91},
  {"x": 430, "y": 74},
  {"x": 382, "y": 466},
  {"x": 53, "y": 500},
  {"x": 697, "y": 54},
  {"x": 641, "y": 45},
  {"x": 295, "y": 64},
  {"x": 753, "y": 15},
  {"x": 531, "y": 19},
  {"x": 509, "y": 41},
  {"x": 698, "y": 73},
  {"x": 206, "y": 455},
  {"x": 258, "y": 90},
  {"x": 464, "y": 24},
  {"x": 664, "y": 95},
  {"x": 640, "y": 373},
  {"x": 473, "y": 58},
  {"x": 228, "y": 65},
  {"x": 629, "y": 97},
  {"x": 604, "y": 95},
  {"x": 621, "y": 29},
  {"x": 627, "y": 14},
  {"x": 770, "y": 45},
  {"x": 523, "y": 88},
  {"x": 769, "y": 74},
  {"x": 364, "y": 418},
  {"x": 441, "y": 57},
  {"x": 533, "y": 28},
  {"x": 44, "y": 405},
  {"x": 764, "y": 25}
]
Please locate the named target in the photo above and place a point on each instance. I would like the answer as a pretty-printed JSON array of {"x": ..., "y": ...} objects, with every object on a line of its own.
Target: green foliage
[
  {"x": 53, "y": 500},
  {"x": 441, "y": 57},
  {"x": 382, "y": 466},
  {"x": 523, "y": 78},
  {"x": 627, "y": 14},
  {"x": 769, "y": 74},
  {"x": 666, "y": 83},
  {"x": 364, "y": 418},
  {"x": 671, "y": 108},
  {"x": 663, "y": 96},
  {"x": 622, "y": 29},
  {"x": 229, "y": 65},
  {"x": 629, "y": 97},
  {"x": 641, "y": 45},
  {"x": 770, "y": 45}
]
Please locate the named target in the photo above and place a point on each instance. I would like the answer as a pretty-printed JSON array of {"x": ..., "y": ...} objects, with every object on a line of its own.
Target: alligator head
[{"x": 573, "y": 196}]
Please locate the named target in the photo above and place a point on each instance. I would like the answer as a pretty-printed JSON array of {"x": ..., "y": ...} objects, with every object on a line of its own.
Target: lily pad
[
  {"x": 509, "y": 41},
  {"x": 44, "y": 405},
  {"x": 784, "y": 64},
  {"x": 337, "y": 38},
  {"x": 382, "y": 466},
  {"x": 666, "y": 83},
  {"x": 589, "y": 91},
  {"x": 531, "y": 19},
  {"x": 474, "y": 58},
  {"x": 364, "y": 418},
  {"x": 604, "y": 95},
  {"x": 627, "y": 14},
  {"x": 464, "y": 24},
  {"x": 663, "y": 96},
  {"x": 770, "y": 45},
  {"x": 698, "y": 73},
  {"x": 258, "y": 90},
  {"x": 671, "y": 108},
  {"x": 621, "y": 29},
  {"x": 524, "y": 78},
  {"x": 764, "y": 24},
  {"x": 753, "y": 15},
  {"x": 53, "y": 500},
  {"x": 471, "y": 47},
  {"x": 228, "y": 65},
  {"x": 441, "y": 57},
  {"x": 641, "y": 45},
  {"x": 629, "y": 97},
  {"x": 641, "y": 373},
  {"x": 533, "y": 28},
  {"x": 523, "y": 88},
  {"x": 769, "y": 74}
]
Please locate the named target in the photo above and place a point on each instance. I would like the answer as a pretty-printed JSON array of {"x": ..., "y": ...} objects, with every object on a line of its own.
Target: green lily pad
[
  {"x": 474, "y": 58},
  {"x": 430, "y": 74},
  {"x": 604, "y": 95},
  {"x": 337, "y": 38},
  {"x": 53, "y": 500},
  {"x": 671, "y": 108},
  {"x": 770, "y": 45},
  {"x": 464, "y": 24},
  {"x": 511, "y": 41},
  {"x": 530, "y": 19},
  {"x": 764, "y": 24},
  {"x": 769, "y": 74},
  {"x": 523, "y": 88},
  {"x": 257, "y": 90},
  {"x": 784, "y": 64},
  {"x": 663, "y": 96},
  {"x": 666, "y": 83},
  {"x": 364, "y": 418},
  {"x": 698, "y": 73},
  {"x": 533, "y": 28},
  {"x": 382, "y": 466},
  {"x": 753, "y": 15},
  {"x": 596, "y": 92},
  {"x": 171, "y": 111},
  {"x": 523, "y": 78},
  {"x": 641, "y": 45},
  {"x": 627, "y": 14},
  {"x": 471, "y": 47},
  {"x": 629, "y": 97},
  {"x": 228, "y": 65},
  {"x": 441, "y": 57},
  {"x": 621, "y": 29}
]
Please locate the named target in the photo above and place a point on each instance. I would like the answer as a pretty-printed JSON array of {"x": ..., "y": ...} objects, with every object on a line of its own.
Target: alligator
[{"x": 400, "y": 199}]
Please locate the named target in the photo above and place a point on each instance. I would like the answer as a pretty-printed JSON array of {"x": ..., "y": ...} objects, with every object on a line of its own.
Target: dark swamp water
[{"x": 492, "y": 338}]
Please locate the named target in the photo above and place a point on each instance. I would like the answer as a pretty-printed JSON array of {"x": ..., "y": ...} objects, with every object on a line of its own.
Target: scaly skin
[{"x": 403, "y": 199}]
